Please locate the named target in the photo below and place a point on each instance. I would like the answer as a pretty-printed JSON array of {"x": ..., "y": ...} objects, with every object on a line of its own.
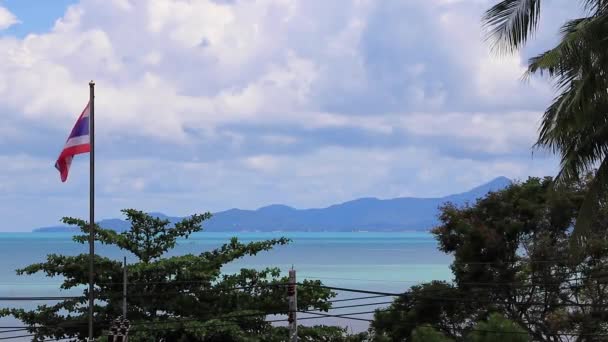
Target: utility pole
[
  {"x": 292, "y": 293},
  {"x": 124, "y": 289}
]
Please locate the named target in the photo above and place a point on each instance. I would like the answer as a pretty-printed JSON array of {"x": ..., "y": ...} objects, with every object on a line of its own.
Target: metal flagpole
[
  {"x": 292, "y": 292},
  {"x": 91, "y": 206},
  {"x": 124, "y": 289}
]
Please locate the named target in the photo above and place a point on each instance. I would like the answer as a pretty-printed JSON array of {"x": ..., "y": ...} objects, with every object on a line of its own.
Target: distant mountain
[{"x": 364, "y": 214}]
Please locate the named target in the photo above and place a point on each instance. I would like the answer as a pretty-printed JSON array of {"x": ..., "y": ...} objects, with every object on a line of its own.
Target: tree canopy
[
  {"x": 512, "y": 256},
  {"x": 171, "y": 298},
  {"x": 495, "y": 329}
]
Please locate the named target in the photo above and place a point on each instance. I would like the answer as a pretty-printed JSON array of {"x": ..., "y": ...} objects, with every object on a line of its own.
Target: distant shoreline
[
  {"x": 75, "y": 230},
  {"x": 363, "y": 215}
]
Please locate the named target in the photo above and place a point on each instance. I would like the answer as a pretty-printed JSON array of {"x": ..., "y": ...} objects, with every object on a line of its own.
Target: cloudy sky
[{"x": 205, "y": 105}]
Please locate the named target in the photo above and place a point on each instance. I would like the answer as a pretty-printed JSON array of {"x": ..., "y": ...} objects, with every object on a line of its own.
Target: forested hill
[{"x": 364, "y": 214}]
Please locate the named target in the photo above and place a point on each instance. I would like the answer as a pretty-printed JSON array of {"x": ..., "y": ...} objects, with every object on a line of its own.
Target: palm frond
[
  {"x": 511, "y": 22},
  {"x": 583, "y": 152},
  {"x": 588, "y": 211},
  {"x": 575, "y": 125},
  {"x": 596, "y": 6},
  {"x": 579, "y": 67}
]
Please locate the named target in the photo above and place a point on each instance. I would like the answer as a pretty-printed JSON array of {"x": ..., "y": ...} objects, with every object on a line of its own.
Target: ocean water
[{"x": 388, "y": 262}]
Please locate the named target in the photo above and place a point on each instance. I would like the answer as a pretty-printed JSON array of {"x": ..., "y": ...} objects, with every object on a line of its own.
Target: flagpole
[{"x": 91, "y": 206}]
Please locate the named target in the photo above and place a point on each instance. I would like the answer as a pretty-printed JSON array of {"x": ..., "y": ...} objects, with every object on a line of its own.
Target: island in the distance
[{"x": 364, "y": 214}]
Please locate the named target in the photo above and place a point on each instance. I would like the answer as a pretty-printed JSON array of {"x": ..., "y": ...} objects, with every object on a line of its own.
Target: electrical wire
[
  {"x": 33, "y": 335},
  {"x": 345, "y": 316},
  {"x": 14, "y": 337},
  {"x": 362, "y": 280},
  {"x": 358, "y": 305},
  {"x": 356, "y": 298},
  {"x": 13, "y": 330},
  {"x": 380, "y": 294},
  {"x": 324, "y": 315},
  {"x": 38, "y": 298},
  {"x": 376, "y": 294}
]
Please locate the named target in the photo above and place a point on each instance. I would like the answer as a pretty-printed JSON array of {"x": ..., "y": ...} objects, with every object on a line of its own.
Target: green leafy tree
[
  {"x": 574, "y": 125},
  {"x": 498, "y": 329},
  {"x": 511, "y": 256},
  {"x": 171, "y": 298},
  {"x": 428, "y": 334},
  {"x": 495, "y": 329},
  {"x": 320, "y": 333},
  {"x": 419, "y": 307}
]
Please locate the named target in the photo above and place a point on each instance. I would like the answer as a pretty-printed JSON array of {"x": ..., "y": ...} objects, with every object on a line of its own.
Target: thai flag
[{"x": 78, "y": 142}]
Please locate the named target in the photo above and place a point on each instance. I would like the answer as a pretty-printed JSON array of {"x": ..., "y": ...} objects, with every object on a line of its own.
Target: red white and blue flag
[{"x": 78, "y": 142}]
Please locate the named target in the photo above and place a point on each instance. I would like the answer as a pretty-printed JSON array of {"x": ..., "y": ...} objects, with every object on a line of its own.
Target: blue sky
[{"x": 208, "y": 105}]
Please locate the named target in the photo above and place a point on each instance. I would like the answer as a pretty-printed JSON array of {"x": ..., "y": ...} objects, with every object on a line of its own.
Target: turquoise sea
[{"x": 389, "y": 262}]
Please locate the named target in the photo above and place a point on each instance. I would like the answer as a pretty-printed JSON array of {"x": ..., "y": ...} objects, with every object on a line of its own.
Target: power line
[
  {"x": 601, "y": 275},
  {"x": 364, "y": 280},
  {"x": 58, "y": 326},
  {"x": 38, "y": 298},
  {"x": 474, "y": 300},
  {"x": 320, "y": 316},
  {"x": 143, "y": 324},
  {"x": 359, "y": 305},
  {"x": 345, "y": 316},
  {"x": 512, "y": 284},
  {"x": 387, "y": 294},
  {"x": 34, "y": 335},
  {"x": 14, "y": 337},
  {"x": 356, "y": 298},
  {"x": 379, "y": 294},
  {"x": 376, "y": 294},
  {"x": 13, "y": 330},
  {"x": 348, "y": 316}
]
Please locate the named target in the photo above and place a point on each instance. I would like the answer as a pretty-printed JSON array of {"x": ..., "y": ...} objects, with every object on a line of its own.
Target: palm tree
[{"x": 575, "y": 125}]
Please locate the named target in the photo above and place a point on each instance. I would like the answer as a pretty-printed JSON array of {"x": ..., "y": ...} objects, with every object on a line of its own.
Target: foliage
[
  {"x": 171, "y": 298},
  {"x": 320, "y": 333},
  {"x": 512, "y": 256},
  {"x": 419, "y": 307},
  {"x": 428, "y": 334},
  {"x": 574, "y": 125},
  {"x": 497, "y": 329}
]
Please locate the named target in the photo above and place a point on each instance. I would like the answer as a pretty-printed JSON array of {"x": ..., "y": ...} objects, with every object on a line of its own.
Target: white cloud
[
  {"x": 496, "y": 79},
  {"x": 279, "y": 139},
  {"x": 263, "y": 163},
  {"x": 147, "y": 99},
  {"x": 477, "y": 131},
  {"x": 322, "y": 177},
  {"x": 303, "y": 80},
  {"x": 204, "y": 64},
  {"x": 7, "y": 19}
]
